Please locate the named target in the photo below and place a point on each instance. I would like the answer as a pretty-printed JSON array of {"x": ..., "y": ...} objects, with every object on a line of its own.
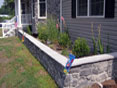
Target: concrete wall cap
[
  {"x": 63, "y": 60},
  {"x": 55, "y": 55}
]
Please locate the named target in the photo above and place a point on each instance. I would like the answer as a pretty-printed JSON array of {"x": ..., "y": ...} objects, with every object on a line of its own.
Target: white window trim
[
  {"x": 88, "y": 11},
  {"x": 45, "y": 17}
]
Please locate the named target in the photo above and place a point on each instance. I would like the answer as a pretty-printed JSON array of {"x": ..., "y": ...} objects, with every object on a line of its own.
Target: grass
[
  {"x": 0, "y": 32},
  {"x": 19, "y": 69}
]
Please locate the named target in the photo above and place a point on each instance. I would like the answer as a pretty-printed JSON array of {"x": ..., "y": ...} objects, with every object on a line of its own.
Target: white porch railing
[
  {"x": 26, "y": 19},
  {"x": 8, "y": 28}
]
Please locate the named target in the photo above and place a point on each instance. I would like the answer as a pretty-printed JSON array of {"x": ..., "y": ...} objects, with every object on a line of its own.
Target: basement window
[{"x": 90, "y": 8}]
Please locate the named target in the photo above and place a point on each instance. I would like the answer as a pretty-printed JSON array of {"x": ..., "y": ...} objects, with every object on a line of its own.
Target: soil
[
  {"x": 106, "y": 84},
  {"x": 59, "y": 49}
]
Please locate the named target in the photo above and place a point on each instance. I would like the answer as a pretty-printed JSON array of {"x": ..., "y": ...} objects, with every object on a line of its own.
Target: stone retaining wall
[
  {"x": 85, "y": 75},
  {"x": 81, "y": 74},
  {"x": 54, "y": 68}
]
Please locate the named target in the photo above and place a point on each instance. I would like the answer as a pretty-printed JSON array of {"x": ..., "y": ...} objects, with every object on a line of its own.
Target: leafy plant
[
  {"x": 43, "y": 31},
  {"x": 51, "y": 46},
  {"x": 101, "y": 47},
  {"x": 65, "y": 52},
  {"x": 29, "y": 30},
  {"x": 81, "y": 47},
  {"x": 95, "y": 50},
  {"x": 108, "y": 44},
  {"x": 53, "y": 32},
  {"x": 64, "y": 40}
]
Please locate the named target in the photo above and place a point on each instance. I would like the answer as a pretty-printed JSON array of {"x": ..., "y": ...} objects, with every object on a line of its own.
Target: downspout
[{"x": 60, "y": 16}]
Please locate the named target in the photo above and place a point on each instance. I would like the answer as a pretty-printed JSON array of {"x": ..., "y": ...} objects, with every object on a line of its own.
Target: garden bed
[{"x": 84, "y": 72}]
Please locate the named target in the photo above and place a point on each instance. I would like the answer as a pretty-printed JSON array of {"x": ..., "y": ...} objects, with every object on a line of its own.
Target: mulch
[{"x": 106, "y": 84}]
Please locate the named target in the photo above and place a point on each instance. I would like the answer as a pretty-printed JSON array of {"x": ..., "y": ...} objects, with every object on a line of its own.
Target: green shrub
[
  {"x": 42, "y": 32},
  {"x": 53, "y": 32},
  {"x": 64, "y": 40},
  {"x": 95, "y": 50},
  {"x": 100, "y": 45},
  {"x": 81, "y": 48},
  {"x": 65, "y": 52},
  {"x": 4, "y": 18},
  {"x": 29, "y": 30}
]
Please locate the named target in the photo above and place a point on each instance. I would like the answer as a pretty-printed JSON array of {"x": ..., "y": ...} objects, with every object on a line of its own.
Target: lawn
[
  {"x": 0, "y": 32},
  {"x": 19, "y": 69}
]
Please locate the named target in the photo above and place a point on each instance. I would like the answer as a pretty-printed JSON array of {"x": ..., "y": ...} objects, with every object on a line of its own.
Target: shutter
[
  {"x": 109, "y": 9},
  {"x": 73, "y": 8}
]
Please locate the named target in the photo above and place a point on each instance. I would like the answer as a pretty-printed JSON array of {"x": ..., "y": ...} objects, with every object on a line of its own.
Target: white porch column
[{"x": 19, "y": 14}]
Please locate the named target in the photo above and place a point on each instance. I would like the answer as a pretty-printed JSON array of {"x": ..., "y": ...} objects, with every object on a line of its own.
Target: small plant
[
  {"x": 53, "y": 32},
  {"x": 64, "y": 40},
  {"x": 43, "y": 32},
  {"x": 101, "y": 47},
  {"x": 51, "y": 46},
  {"x": 95, "y": 50},
  {"x": 29, "y": 30},
  {"x": 80, "y": 48},
  {"x": 108, "y": 44},
  {"x": 65, "y": 52}
]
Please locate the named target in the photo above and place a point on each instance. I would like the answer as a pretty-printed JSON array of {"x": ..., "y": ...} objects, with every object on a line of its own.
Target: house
[
  {"x": 78, "y": 14},
  {"x": 30, "y": 12}
]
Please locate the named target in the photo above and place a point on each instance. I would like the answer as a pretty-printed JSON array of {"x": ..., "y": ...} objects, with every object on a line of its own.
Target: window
[
  {"x": 90, "y": 8},
  {"x": 42, "y": 9},
  {"x": 23, "y": 7},
  {"x": 82, "y": 7}
]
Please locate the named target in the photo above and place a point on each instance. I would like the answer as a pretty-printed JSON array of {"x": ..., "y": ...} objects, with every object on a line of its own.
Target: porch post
[{"x": 19, "y": 14}]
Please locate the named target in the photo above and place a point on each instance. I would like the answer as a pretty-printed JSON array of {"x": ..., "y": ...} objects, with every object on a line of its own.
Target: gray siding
[
  {"x": 34, "y": 19},
  {"x": 53, "y": 8},
  {"x": 81, "y": 27}
]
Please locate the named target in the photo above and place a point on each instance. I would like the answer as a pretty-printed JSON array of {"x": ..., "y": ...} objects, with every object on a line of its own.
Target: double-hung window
[
  {"x": 42, "y": 9},
  {"x": 90, "y": 8}
]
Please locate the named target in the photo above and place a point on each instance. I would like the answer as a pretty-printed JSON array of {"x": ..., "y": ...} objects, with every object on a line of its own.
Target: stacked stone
[{"x": 85, "y": 75}]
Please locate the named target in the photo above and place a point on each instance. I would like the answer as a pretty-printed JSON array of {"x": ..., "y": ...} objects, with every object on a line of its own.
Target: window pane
[
  {"x": 96, "y": 7},
  {"x": 42, "y": 0},
  {"x": 42, "y": 9},
  {"x": 23, "y": 8},
  {"x": 81, "y": 7}
]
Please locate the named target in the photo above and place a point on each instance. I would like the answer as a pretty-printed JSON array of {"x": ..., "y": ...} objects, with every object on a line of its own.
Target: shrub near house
[
  {"x": 81, "y": 48},
  {"x": 48, "y": 32}
]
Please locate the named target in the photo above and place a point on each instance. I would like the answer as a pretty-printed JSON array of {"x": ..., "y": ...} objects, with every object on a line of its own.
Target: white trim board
[{"x": 44, "y": 17}]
